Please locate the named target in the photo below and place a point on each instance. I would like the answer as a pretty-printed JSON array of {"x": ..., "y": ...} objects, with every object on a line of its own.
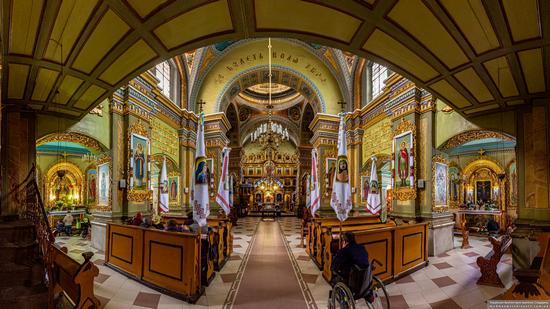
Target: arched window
[
  {"x": 375, "y": 76},
  {"x": 168, "y": 79},
  {"x": 379, "y": 76}
]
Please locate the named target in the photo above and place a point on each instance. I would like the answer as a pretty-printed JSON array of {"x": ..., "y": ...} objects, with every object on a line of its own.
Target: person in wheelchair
[
  {"x": 352, "y": 267},
  {"x": 351, "y": 254}
]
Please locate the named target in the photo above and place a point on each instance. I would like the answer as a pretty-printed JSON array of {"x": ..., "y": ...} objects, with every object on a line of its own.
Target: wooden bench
[
  {"x": 327, "y": 225},
  {"x": 208, "y": 256},
  {"x": 400, "y": 249},
  {"x": 74, "y": 280},
  {"x": 169, "y": 262},
  {"x": 488, "y": 264}
]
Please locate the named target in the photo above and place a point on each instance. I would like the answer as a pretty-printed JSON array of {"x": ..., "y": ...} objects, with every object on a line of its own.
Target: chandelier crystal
[{"x": 269, "y": 132}]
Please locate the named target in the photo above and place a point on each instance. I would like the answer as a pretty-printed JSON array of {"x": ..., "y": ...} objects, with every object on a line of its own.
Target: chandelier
[
  {"x": 89, "y": 157},
  {"x": 269, "y": 132}
]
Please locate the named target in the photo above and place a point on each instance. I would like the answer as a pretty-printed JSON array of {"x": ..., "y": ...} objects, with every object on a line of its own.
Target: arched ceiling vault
[{"x": 65, "y": 57}]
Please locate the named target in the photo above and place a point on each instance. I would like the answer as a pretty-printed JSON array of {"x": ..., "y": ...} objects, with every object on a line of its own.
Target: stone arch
[
  {"x": 471, "y": 135},
  {"x": 73, "y": 137}
]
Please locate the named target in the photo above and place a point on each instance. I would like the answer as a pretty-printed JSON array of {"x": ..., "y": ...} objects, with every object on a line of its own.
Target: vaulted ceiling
[{"x": 66, "y": 56}]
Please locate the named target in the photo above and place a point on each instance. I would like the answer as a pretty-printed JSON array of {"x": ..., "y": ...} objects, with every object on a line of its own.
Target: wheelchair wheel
[
  {"x": 341, "y": 298},
  {"x": 381, "y": 298}
]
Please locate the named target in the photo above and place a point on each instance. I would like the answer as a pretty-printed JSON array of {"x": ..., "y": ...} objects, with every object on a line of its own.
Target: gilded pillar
[
  {"x": 215, "y": 129},
  {"x": 325, "y": 140},
  {"x": 355, "y": 145},
  {"x": 187, "y": 139}
]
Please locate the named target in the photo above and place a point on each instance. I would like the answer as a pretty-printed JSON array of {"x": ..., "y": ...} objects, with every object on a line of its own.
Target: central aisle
[{"x": 269, "y": 280}]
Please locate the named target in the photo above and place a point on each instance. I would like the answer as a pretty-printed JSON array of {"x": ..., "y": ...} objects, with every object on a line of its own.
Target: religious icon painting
[
  {"x": 210, "y": 163},
  {"x": 91, "y": 186},
  {"x": 103, "y": 184},
  {"x": 342, "y": 169},
  {"x": 139, "y": 162},
  {"x": 403, "y": 160},
  {"x": 365, "y": 188},
  {"x": 440, "y": 185},
  {"x": 454, "y": 186},
  {"x": 173, "y": 192},
  {"x": 330, "y": 170},
  {"x": 513, "y": 184},
  {"x": 202, "y": 171}
]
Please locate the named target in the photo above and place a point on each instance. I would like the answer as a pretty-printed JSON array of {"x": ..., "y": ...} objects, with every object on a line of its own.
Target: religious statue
[
  {"x": 342, "y": 175},
  {"x": 62, "y": 189},
  {"x": 173, "y": 190},
  {"x": 403, "y": 163},
  {"x": 139, "y": 164}
]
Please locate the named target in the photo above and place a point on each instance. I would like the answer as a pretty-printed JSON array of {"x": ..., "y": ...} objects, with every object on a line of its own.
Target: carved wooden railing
[{"x": 62, "y": 273}]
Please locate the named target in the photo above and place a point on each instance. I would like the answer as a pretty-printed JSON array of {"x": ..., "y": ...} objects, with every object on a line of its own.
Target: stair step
[
  {"x": 12, "y": 275},
  {"x": 17, "y": 231},
  {"x": 20, "y": 297}
]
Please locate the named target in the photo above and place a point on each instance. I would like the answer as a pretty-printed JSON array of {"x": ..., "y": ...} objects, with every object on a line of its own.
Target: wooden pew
[
  {"x": 75, "y": 280},
  {"x": 400, "y": 249},
  {"x": 223, "y": 241},
  {"x": 167, "y": 261},
  {"x": 488, "y": 264},
  {"x": 326, "y": 225},
  {"x": 534, "y": 282},
  {"x": 207, "y": 257}
]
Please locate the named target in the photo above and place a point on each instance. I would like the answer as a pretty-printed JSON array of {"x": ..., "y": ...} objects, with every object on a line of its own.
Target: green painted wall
[{"x": 97, "y": 127}]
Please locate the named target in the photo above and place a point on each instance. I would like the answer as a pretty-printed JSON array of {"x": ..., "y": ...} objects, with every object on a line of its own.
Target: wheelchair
[{"x": 362, "y": 285}]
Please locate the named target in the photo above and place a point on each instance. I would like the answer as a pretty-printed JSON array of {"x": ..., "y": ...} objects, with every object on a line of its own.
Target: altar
[{"x": 476, "y": 220}]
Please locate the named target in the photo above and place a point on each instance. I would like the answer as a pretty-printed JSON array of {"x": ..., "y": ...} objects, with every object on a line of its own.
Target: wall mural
[
  {"x": 404, "y": 162},
  {"x": 91, "y": 186},
  {"x": 104, "y": 184},
  {"x": 439, "y": 181}
]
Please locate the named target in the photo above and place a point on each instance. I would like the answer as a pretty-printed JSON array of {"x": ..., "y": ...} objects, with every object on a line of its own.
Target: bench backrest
[{"x": 544, "y": 280}]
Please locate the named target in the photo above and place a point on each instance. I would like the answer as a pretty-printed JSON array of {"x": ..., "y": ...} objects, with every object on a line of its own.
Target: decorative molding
[
  {"x": 72, "y": 137},
  {"x": 471, "y": 135}
]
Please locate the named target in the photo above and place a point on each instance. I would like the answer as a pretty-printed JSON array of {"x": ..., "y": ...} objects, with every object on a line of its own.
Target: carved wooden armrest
[{"x": 87, "y": 256}]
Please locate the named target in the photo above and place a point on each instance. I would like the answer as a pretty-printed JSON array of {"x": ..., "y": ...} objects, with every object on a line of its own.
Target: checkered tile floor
[{"x": 448, "y": 282}]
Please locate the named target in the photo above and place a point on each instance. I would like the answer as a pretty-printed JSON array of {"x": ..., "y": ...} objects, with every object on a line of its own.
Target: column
[
  {"x": 215, "y": 138},
  {"x": 18, "y": 155},
  {"x": 325, "y": 140},
  {"x": 532, "y": 154},
  {"x": 355, "y": 154}
]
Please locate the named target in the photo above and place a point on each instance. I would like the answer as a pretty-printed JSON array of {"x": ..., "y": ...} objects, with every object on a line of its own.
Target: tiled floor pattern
[{"x": 448, "y": 282}]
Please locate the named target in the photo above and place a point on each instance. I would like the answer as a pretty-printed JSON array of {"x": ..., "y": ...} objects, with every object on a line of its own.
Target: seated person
[
  {"x": 171, "y": 226},
  {"x": 492, "y": 226},
  {"x": 189, "y": 219},
  {"x": 146, "y": 223},
  {"x": 59, "y": 228},
  {"x": 350, "y": 254},
  {"x": 137, "y": 220},
  {"x": 68, "y": 221}
]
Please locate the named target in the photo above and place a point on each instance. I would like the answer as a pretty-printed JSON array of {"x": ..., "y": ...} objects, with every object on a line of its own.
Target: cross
[
  {"x": 481, "y": 152},
  {"x": 200, "y": 104},
  {"x": 342, "y": 105}
]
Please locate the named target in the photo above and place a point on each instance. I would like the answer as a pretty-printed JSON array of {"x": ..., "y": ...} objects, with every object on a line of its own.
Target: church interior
[{"x": 225, "y": 154}]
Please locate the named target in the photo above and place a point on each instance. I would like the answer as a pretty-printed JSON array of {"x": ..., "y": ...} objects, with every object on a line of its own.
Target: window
[
  {"x": 164, "y": 74},
  {"x": 379, "y": 75}
]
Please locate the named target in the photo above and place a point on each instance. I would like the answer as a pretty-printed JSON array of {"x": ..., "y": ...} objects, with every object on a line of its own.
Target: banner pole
[{"x": 340, "y": 242}]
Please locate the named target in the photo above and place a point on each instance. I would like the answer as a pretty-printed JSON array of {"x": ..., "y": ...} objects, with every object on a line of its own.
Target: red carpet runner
[{"x": 269, "y": 280}]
